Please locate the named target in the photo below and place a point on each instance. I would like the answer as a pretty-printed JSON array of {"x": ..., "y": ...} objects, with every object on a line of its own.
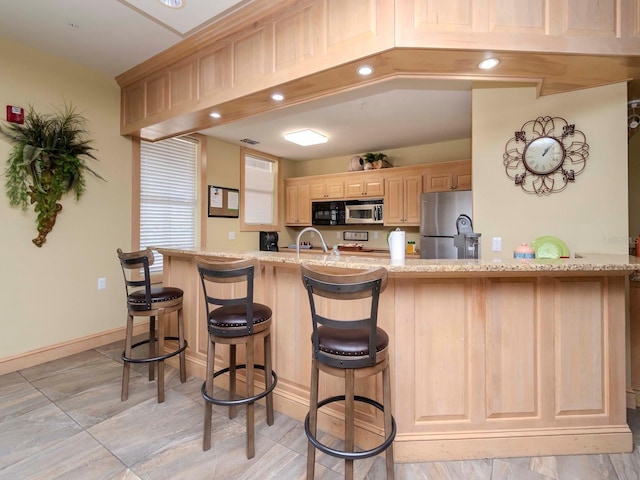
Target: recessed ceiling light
[
  {"x": 172, "y": 3},
  {"x": 306, "y": 137},
  {"x": 365, "y": 70},
  {"x": 278, "y": 97},
  {"x": 489, "y": 63},
  {"x": 215, "y": 115}
]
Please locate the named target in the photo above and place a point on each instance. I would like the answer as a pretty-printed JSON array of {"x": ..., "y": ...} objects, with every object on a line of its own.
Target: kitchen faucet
[{"x": 311, "y": 229}]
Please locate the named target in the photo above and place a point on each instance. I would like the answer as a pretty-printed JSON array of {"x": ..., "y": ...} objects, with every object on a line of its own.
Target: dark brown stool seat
[
  {"x": 143, "y": 300},
  {"x": 347, "y": 349},
  {"x": 235, "y": 319}
]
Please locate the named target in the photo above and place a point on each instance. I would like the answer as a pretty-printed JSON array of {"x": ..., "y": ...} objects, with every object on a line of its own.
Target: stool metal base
[
  {"x": 153, "y": 359},
  {"x": 242, "y": 400},
  {"x": 351, "y": 455}
]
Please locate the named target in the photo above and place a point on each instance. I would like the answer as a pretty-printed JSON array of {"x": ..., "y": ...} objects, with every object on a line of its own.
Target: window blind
[
  {"x": 168, "y": 195},
  {"x": 259, "y": 185}
]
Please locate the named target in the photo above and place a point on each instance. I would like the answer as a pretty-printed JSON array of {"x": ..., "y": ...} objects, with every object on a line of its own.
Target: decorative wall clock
[{"x": 545, "y": 155}]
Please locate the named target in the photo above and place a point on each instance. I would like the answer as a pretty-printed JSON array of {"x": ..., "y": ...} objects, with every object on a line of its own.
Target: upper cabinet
[
  {"x": 399, "y": 186},
  {"x": 327, "y": 189},
  {"x": 443, "y": 177},
  {"x": 298, "y": 203},
  {"x": 360, "y": 184},
  {"x": 310, "y": 48},
  {"x": 402, "y": 199}
]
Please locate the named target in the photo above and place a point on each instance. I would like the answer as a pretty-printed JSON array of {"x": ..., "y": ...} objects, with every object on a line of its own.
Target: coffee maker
[{"x": 269, "y": 241}]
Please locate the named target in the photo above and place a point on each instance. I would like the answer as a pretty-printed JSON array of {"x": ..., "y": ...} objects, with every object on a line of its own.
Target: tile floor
[{"x": 64, "y": 420}]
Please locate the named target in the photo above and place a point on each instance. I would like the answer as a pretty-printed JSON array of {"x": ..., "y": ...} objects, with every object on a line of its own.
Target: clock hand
[{"x": 546, "y": 150}]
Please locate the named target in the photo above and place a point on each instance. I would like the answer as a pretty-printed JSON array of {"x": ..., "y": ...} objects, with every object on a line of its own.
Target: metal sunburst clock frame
[{"x": 525, "y": 159}]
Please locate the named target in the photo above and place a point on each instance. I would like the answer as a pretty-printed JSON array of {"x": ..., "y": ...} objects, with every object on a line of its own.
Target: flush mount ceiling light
[
  {"x": 488, "y": 63},
  {"x": 172, "y": 3},
  {"x": 307, "y": 137},
  {"x": 278, "y": 97},
  {"x": 365, "y": 70},
  {"x": 215, "y": 115}
]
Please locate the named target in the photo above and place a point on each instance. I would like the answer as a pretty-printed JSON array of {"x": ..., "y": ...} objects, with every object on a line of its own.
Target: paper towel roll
[{"x": 397, "y": 245}]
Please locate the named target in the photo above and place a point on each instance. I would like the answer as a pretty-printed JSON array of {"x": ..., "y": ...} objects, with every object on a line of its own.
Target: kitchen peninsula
[{"x": 488, "y": 358}]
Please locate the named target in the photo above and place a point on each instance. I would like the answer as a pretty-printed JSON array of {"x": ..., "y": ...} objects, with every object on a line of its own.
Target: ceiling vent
[{"x": 249, "y": 141}]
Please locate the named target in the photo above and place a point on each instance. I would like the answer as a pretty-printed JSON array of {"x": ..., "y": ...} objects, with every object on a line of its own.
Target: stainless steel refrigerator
[{"x": 438, "y": 214}]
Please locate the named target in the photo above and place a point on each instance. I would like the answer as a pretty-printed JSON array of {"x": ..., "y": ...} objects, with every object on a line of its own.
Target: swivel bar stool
[
  {"x": 143, "y": 300},
  {"x": 348, "y": 349},
  {"x": 234, "y": 320}
]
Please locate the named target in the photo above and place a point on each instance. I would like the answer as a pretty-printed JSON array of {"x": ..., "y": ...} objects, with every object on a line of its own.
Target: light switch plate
[{"x": 362, "y": 236}]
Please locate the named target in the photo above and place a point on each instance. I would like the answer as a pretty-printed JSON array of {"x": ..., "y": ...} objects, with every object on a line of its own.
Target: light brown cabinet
[
  {"x": 402, "y": 199},
  {"x": 399, "y": 186},
  {"x": 327, "y": 189},
  {"x": 533, "y": 364},
  {"x": 447, "y": 176},
  {"x": 288, "y": 43},
  {"x": 371, "y": 185},
  {"x": 298, "y": 204}
]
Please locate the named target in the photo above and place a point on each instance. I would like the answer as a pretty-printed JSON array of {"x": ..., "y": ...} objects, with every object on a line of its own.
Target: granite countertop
[{"x": 585, "y": 263}]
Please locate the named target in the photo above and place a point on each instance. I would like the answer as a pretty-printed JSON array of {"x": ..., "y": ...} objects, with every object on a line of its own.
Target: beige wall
[
  {"x": 223, "y": 170},
  {"x": 49, "y": 294},
  {"x": 399, "y": 157},
  {"x": 591, "y": 214}
]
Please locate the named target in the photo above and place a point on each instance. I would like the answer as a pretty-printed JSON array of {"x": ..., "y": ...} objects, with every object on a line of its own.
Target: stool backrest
[
  {"x": 228, "y": 271},
  {"x": 139, "y": 261},
  {"x": 337, "y": 285}
]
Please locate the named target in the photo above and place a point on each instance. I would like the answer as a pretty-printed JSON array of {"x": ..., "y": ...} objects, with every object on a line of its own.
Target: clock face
[{"x": 543, "y": 155}]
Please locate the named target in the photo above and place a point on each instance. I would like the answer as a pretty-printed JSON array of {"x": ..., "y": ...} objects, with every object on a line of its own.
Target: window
[
  {"x": 259, "y": 191},
  {"x": 168, "y": 195}
]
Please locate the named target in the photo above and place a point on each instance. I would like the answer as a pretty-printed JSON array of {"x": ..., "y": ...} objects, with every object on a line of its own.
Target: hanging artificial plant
[{"x": 46, "y": 161}]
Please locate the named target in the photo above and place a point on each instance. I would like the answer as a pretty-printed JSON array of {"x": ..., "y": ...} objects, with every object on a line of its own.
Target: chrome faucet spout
[{"x": 310, "y": 229}]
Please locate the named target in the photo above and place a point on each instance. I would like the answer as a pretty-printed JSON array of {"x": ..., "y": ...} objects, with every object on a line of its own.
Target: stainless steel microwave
[{"x": 364, "y": 211}]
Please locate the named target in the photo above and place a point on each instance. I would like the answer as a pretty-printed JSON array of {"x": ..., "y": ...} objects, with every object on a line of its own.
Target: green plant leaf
[{"x": 47, "y": 161}]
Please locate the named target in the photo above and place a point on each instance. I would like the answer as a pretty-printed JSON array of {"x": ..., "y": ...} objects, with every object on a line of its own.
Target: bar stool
[
  {"x": 143, "y": 300},
  {"x": 348, "y": 349},
  {"x": 235, "y": 320}
]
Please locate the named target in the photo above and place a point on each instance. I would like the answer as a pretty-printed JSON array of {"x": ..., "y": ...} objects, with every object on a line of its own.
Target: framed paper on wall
[{"x": 223, "y": 202}]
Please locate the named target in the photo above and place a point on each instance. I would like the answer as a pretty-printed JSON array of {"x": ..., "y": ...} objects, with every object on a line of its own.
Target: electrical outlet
[
  {"x": 232, "y": 235},
  {"x": 312, "y": 234},
  {"x": 375, "y": 235},
  {"x": 496, "y": 244},
  {"x": 338, "y": 235},
  {"x": 102, "y": 283}
]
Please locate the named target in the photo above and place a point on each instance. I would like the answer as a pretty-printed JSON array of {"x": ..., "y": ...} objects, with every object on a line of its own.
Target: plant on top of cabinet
[{"x": 46, "y": 161}]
